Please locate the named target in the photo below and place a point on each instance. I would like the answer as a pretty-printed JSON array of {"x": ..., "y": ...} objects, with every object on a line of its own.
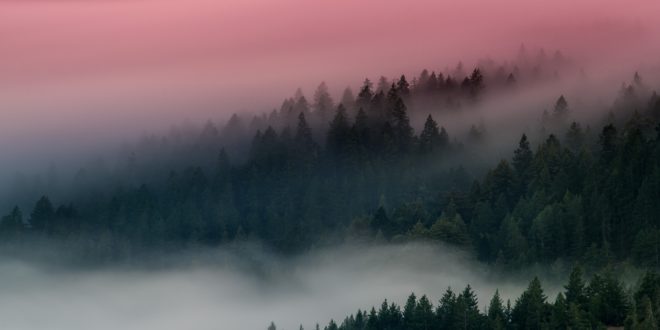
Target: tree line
[
  {"x": 601, "y": 302},
  {"x": 579, "y": 196}
]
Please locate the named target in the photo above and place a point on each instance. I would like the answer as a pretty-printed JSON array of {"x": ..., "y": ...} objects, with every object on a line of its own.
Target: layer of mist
[{"x": 241, "y": 288}]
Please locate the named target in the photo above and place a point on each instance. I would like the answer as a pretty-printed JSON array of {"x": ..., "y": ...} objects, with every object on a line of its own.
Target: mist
[
  {"x": 243, "y": 288},
  {"x": 66, "y": 89}
]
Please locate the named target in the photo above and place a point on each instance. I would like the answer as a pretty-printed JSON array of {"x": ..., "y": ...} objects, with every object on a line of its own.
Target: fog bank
[{"x": 240, "y": 290}]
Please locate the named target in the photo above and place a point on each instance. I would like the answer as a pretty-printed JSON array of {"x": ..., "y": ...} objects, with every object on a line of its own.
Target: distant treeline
[
  {"x": 601, "y": 303},
  {"x": 579, "y": 196}
]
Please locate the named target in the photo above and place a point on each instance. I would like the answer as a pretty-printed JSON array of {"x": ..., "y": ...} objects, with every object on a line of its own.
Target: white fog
[{"x": 245, "y": 290}]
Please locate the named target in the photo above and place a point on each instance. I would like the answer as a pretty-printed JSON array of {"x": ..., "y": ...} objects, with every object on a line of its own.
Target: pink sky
[{"x": 99, "y": 64}]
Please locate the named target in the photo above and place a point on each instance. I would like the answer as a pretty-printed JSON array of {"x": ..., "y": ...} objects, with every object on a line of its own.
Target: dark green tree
[
  {"x": 424, "y": 317},
  {"x": 531, "y": 309},
  {"x": 42, "y": 214},
  {"x": 429, "y": 139},
  {"x": 409, "y": 321},
  {"x": 496, "y": 314},
  {"x": 12, "y": 223}
]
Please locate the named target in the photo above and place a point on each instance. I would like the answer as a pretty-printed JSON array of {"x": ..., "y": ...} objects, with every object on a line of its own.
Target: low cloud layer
[{"x": 239, "y": 290}]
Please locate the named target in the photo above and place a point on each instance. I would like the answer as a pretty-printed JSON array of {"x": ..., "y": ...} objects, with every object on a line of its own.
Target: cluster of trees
[
  {"x": 444, "y": 90},
  {"x": 188, "y": 144},
  {"x": 561, "y": 201},
  {"x": 153, "y": 157},
  {"x": 567, "y": 200},
  {"x": 601, "y": 302},
  {"x": 290, "y": 193},
  {"x": 575, "y": 197}
]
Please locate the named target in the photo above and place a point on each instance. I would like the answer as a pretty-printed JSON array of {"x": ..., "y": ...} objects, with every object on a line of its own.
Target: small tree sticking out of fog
[{"x": 561, "y": 107}]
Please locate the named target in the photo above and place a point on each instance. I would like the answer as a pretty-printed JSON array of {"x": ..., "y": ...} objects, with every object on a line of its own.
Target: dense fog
[{"x": 243, "y": 288}]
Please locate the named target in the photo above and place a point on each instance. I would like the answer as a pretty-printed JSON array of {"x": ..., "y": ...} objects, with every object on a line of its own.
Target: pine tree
[
  {"x": 608, "y": 144},
  {"x": 432, "y": 83},
  {"x": 522, "y": 164},
  {"x": 401, "y": 124},
  {"x": 575, "y": 289},
  {"x": 365, "y": 95},
  {"x": 339, "y": 132},
  {"x": 476, "y": 83},
  {"x": 361, "y": 132},
  {"x": 378, "y": 109},
  {"x": 409, "y": 312},
  {"x": 372, "y": 321},
  {"x": 348, "y": 100},
  {"x": 561, "y": 107},
  {"x": 466, "y": 314},
  {"x": 360, "y": 320},
  {"x": 450, "y": 228},
  {"x": 421, "y": 85},
  {"x": 304, "y": 142},
  {"x": 429, "y": 139},
  {"x": 443, "y": 139},
  {"x": 423, "y": 319},
  {"x": 496, "y": 316},
  {"x": 511, "y": 80},
  {"x": 575, "y": 137},
  {"x": 381, "y": 222},
  {"x": 560, "y": 317},
  {"x": 513, "y": 244},
  {"x": 607, "y": 300},
  {"x": 483, "y": 227},
  {"x": 383, "y": 84},
  {"x": 531, "y": 310},
  {"x": 446, "y": 310},
  {"x": 12, "y": 224},
  {"x": 42, "y": 214},
  {"x": 332, "y": 326},
  {"x": 403, "y": 87},
  {"x": 323, "y": 103}
]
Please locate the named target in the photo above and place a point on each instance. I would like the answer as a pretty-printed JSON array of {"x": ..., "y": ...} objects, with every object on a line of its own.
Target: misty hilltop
[{"x": 320, "y": 173}]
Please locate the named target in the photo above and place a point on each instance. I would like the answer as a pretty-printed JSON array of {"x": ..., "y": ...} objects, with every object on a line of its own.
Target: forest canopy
[{"x": 322, "y": 172}]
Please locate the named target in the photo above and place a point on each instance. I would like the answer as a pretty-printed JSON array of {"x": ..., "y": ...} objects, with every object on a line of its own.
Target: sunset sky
[{"x": 115, "y": 65}]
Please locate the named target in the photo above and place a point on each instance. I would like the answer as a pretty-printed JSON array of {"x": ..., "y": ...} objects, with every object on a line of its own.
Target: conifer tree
[
  {"x": 575, "y": 288},
  {"x": 531, "y": 310},
  {"x": 323, "y": 103},
  {"x": 561, "y": 107},
  {"x": 424, "y": 318},
  {"x": 429, "y": 139},
  {"x": 42, "y": 214},
  {"x": 339, "y": 132},
  {"x": 409, "y": 312},
  {"x": 522, "y": 161},
  {"x": 365, "y": 95},
  {"x": 496, "y": 316},
  {"x": 403, "y": 87}
]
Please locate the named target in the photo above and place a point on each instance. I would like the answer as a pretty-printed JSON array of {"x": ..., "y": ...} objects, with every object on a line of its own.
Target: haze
[{"x": 105, "y": 67}]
